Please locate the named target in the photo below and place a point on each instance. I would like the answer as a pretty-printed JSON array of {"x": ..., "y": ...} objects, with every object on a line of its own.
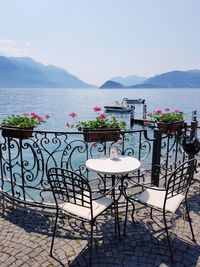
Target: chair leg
[
  {"x": 190, "y": 223},
  {"x": 91, "y": 242},
  {"x": 168, "y": 237},
  {"x": 54, "y": 232},
  {"x": 118, "y": 223},
  {"x": 126, "y": 215},
  {"x": 151, "y": 214},
  {"x": 132, "y": 213}
]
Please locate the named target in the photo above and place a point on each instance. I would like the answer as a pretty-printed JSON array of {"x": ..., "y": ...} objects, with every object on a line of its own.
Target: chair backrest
[
  {"x": 68, "y": 186},
  {"x": 180, "y": 180}
]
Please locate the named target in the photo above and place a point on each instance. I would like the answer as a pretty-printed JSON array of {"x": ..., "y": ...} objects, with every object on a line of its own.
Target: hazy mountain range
[
  {"x": 24, "y": 72},
  {"x": 19, "y": 72},
  {"x": 172, "y": 79},
  {"x": 129, "y": 80}
]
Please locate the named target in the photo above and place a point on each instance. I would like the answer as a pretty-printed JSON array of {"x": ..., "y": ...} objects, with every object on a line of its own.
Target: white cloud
[
  {"x": 10, "y": 51},
  {"x": 10, "y": 47},
  {"x": 6, "y": 42}
]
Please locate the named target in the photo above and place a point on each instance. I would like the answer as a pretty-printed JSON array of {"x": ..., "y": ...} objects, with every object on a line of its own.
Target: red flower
[
  {"x": 177, "y": 111},
  {"x": 120, "y": 142},
  {"x": 97, "y": 109},
  {"x": 73, "y": 115},
  {"x": 47, "y": 116},
  {"x": 67, "y": 125},
  {"x": 36, "y": 116},
  {"x": 167, "y": 109},
  {"x": 145, "y": 123},
  {"x": 26, "y": 114},
  {"x": 159, "y": 111},
  {"x": 33, "y": 114},
  {"x": 102, "y": 116}
]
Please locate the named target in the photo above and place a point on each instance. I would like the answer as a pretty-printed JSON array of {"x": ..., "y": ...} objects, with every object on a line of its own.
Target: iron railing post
[
  {"x": 156, "y": 153},
  {"x": 132, "y": 115},
  {"x": 194, "y": 127}
]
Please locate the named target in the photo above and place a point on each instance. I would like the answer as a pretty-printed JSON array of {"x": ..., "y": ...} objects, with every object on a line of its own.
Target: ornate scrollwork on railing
[
  {"x": 24, "y": 162},
  {"x": 171, "y": 150}
]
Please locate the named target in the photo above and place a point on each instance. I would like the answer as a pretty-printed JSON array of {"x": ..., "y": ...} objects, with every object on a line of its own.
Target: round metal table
[{"x": 119, "y": 166}]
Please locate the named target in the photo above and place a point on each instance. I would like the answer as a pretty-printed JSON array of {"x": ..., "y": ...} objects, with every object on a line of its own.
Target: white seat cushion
[
  {"x": 156, "y": 198},
  {"x": 98, "y": 206}
]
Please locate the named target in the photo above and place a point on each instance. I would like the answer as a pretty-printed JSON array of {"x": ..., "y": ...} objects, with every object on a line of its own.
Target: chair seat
[
  {"x": 156, "y": 199},
  {"x": 84, "y": 212}
]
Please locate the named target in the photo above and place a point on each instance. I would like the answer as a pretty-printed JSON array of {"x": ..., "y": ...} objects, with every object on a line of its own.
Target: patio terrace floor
[{"x": 26, "y": 236}]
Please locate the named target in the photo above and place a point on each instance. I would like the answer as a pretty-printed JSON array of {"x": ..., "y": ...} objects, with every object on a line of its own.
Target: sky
[{"x": 96, "y": 40}]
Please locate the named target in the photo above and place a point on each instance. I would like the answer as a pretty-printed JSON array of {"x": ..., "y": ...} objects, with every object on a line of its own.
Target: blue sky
[{"x": 98, "y": 39}]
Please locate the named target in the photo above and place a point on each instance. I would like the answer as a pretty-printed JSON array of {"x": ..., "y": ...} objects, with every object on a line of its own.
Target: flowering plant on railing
[
  {"x": 101, "y": 121},
  {"x": 24, "y": 120},
  {"x": 165, "y": 116}
]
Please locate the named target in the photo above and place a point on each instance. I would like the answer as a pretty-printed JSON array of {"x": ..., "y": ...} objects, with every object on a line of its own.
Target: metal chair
[
  {"x": 73, "y": 196},
  {"x": 167, "y": 199}
]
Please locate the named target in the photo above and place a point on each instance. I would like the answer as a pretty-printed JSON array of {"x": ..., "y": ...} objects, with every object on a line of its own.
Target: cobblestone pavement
[{"x": 26, "y": 236}]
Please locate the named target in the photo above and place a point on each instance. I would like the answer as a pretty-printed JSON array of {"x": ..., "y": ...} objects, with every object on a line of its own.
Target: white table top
[{"x": 121, "y": 165}]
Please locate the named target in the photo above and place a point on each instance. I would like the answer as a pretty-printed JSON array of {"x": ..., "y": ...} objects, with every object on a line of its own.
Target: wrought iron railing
[{"x": 24, "y": 162}]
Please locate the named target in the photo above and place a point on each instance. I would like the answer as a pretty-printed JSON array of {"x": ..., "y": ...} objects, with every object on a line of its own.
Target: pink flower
[
  {"x": 148, "y": 114},
  {"x": 167, "y": 109},
  {"x": 40, "y": 118},
  {"x": 47, "y": 116},
  {"x": 73, "y": 115},
  {"x": 120, "y": 142},
  {"x": 97, "y": 109},
  {"x": 173, "y": 133},
  {"x": 145, "y": 123},
  {"x": 67, "y": 125},
  {"x": 177, "y": 111},
  {"x": 26, "y": 114},
  {"x": 158, "y": 111},
  {"x": 102, "y": 116},
  {"x": 36, "y": 116}
]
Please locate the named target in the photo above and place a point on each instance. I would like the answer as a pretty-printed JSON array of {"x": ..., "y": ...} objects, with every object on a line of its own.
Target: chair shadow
[
  {"x": 144, "y": 244},
  {"x": 68, "y": 231},
  {"x": 151, "y": 242}
]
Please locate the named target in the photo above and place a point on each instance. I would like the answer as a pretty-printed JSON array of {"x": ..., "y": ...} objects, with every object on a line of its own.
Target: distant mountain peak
[
  {"x": 26, "y": 72},
  {"x": 111, "y": 84},
  {"x": 128, "y": 80},
  {"x": 171, "y": 79},
  {"x": 197, "y": 71}
]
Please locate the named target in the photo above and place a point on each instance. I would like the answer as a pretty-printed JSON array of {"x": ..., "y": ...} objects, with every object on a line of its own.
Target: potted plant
[
  {"x": 21, "y": 126},
  {"x": 167, "y": 121},
  {"x": 100, "y": 129}
]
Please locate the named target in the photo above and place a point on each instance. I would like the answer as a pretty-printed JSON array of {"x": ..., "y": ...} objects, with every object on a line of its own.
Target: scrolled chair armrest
[
  {"x": 134, "y": 187},
  {"x": 97, "y": 195},
  {"x": 147, "y": 186},
  {"x": 163, "y": 168}
]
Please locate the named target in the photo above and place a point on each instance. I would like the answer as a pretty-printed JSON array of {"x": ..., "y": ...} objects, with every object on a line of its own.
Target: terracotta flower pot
[
  {"x": 101, "y": 135},
  {"x": 170, "y": 127},
  {"x": 16, "y": 132}
]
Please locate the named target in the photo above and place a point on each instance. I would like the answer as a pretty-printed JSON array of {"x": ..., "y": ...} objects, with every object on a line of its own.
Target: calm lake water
[{"x": 58, "y": 103}]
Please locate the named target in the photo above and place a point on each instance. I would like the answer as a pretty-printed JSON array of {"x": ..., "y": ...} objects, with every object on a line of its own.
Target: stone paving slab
[{"x": 26, "y": 237}]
